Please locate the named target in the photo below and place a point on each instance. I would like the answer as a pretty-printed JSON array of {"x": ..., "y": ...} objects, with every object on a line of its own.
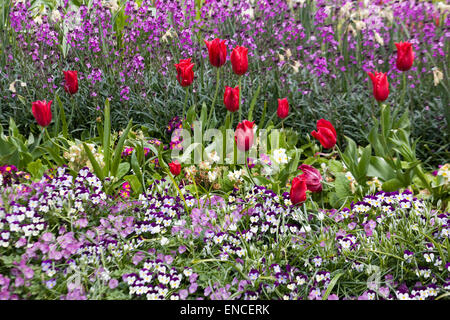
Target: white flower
[
  {"x": 437, "y": 76},
  {"x": 349, "y": 176},
  {"x": 212, "y": 176},
  {"x": 236, "y": 175},
  {"x": 360, "y": 25},
  {"x": 378, "y": 38},
  {"x": 213, "y": 156},
  {"x": 280, "y": 156},
  {"x": 429, "y": 257}
]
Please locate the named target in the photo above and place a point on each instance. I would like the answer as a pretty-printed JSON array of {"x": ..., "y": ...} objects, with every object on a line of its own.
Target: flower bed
[{"x": 62, "y": 237}]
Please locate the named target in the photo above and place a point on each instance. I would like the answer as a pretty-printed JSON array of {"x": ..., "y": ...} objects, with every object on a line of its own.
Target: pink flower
[{"x": 313, "y": 178}]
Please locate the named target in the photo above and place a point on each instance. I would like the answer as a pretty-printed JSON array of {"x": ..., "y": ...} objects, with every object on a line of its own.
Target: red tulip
[
  {"x": 326, "y": 134},
  {"x": 42, "y": 112},
  {"x": 71, "y": 81},
  {"x": 244, "y": 135},
  {"x": 283, "y": 108},
  {"x": 175, "y": 167},
  {"x": 231, "y": 98},
  {"x": 380, "y": 85},
  {"x": 217, "y": 52},
  {"x": 298, "y": 190},
  {"x": 405, "y": 56},
  {"x": 313, "y": 178},
  {"x": 239, "y": 60},
  {"x": 185, "y": 73}
]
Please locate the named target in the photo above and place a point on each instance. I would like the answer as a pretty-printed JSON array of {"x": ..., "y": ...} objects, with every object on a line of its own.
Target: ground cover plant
[{"x": 261, "y": 149}]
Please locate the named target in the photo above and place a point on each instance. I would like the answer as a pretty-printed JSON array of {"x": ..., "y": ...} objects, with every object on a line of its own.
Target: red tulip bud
[
  {"x": 185, "y": 72},
  {"x": 71, "y": 81},
  {"x": 244, "y": 135},
  {"x": 380, "y": 85},
  {"x": 42, "y": 112},
  {"x": 298, "y": 190},
  {"x": 405, "y": 56},
  {"x": 231, "y": 98},
  {"x": 175, "y": 167},
  {"x": 283, "y": 108},
  {"x": 217, "y": 52},
  {"x": 326, "y": 134},
  {"x": 239, "y": 60}
]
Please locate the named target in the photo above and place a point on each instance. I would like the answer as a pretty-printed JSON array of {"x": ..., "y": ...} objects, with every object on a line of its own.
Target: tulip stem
[
  {"x": 71, "y": 111},
  {"x": 185, "y": 101},
  {"x": 248, "y": 169},
  {"x": 402, "y": 99},
  {"x": 39, "y": 138},
  {"x": 53, "y": 142},
  {"x": 224, "y": 137},
  {"x": 240, "y": 93},
  {"x": 215, "y": 95}
]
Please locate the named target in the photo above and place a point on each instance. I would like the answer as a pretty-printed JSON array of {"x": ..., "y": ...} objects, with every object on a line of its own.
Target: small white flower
[{"x": 280, "y": 156}]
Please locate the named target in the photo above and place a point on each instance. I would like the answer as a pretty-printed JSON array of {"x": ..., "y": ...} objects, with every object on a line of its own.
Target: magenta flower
[{"x": 313, "y": 178}]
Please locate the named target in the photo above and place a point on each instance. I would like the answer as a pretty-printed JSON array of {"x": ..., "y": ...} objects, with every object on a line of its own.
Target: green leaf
[
  {"x": 392, "y": 185},
  {"x": 263, "y": 117},
  {"x": 13, "y": 128},
  {"x": 363, "y": 164},
  {"x": 134, "y": 183},
  {"x": 62, "y": 117},
  {"x": 135, "y": 166},
  {"x": 253, "y": 103},
  {"x": 123, "y": 169},
  {"x": 342, "y": 186},
  {"x": 335, "y": 166},
  {"x": 380, "y": 168},
  {"x": 191, "y": 116},
  {"x": 204, "y": 114},
  {"x": 119, "y": 148},
  {"x": 97, "y": 170},
  {"x": 36, "y": 168},
  {"x": 331, "y": 285}
]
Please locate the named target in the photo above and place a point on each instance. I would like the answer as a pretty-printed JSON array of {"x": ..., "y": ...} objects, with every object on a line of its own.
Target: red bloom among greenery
[
  {"x": 405, "y": 56},
  {"x": 326, "y": 134},
  {"x": 185, "y": 72},
  {"x": 42, "y": 112},
  {"x": 217, "y": 52},
  {"x": 239, "y": 60},
  {"x": 380, "y": 85},
  {"x": 71, "y": 81},
  {"x": 244, "y": 135}
]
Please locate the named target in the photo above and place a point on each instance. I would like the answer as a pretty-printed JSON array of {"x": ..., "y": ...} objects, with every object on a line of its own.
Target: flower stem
[
  {"x": 39, "y": 139},
  {"x": 185, "y": 101},
  {"x": 215, "y": 95},
  {"x": 53, "y": 142},
  {"x": 248, "y": 169},
  {"x": 402, "y": 99},
  {"x": 240, "y": 94}
]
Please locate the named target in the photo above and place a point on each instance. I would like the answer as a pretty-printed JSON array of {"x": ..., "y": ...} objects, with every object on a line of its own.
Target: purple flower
[{"x": 113, "y": 283}]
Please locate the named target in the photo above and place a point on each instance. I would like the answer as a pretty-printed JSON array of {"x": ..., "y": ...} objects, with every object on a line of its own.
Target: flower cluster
[{"x": 77, "y": 157}]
